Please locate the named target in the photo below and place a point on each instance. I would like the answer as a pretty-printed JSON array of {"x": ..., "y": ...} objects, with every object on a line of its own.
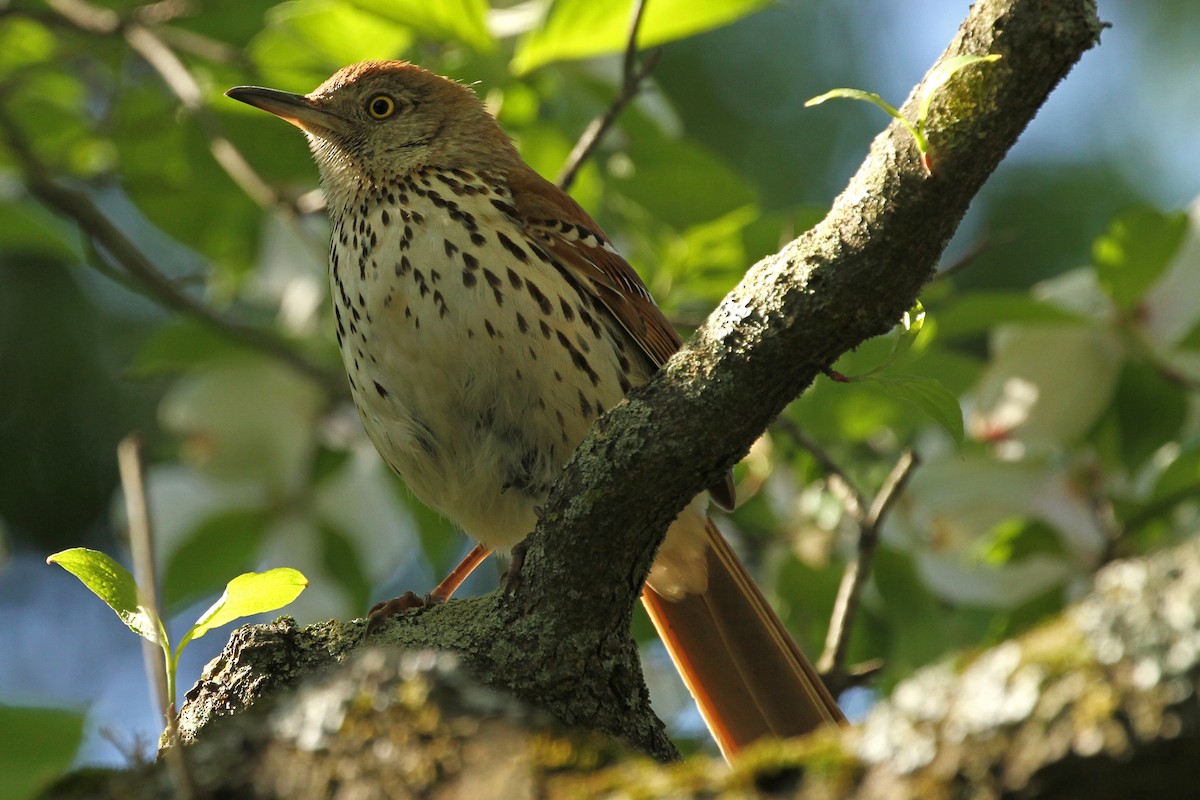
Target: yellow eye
[{"x": 381, "y": 106}]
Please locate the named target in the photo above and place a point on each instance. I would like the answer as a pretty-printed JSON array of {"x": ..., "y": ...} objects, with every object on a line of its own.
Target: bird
[{"x": 485, "y": 321}]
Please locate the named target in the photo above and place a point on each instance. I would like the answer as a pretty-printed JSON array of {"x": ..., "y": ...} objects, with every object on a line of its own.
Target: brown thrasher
[{"x": 485, "y": 321}]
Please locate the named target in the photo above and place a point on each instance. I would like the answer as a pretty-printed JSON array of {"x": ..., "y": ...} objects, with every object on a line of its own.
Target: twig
[
  {"x": 839, "y": 482},
  {"x": 974, "y": 251},
  {"x": 141, "y": 542},
  {"x": 137, "y": 509},
  {"x": 631, "y": 84},
  {"x": 80, "y": 207},
  {"x": 845, "y": 607},
  {"x": 180, "y": 81},
  {"x": 868, "y": 517}
]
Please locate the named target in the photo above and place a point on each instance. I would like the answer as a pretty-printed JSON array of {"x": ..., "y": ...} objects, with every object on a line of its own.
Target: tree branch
[{"x": 832, "y": 662}]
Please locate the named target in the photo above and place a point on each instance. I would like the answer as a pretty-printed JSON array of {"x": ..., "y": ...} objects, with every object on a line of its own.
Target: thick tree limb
[{"x": 1101, "y": 703}]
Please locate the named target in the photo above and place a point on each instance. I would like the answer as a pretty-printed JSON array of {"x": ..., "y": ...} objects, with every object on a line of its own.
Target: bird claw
[
  {"x": 382, "y": 613},
  {"x": 512, "y": 578}
]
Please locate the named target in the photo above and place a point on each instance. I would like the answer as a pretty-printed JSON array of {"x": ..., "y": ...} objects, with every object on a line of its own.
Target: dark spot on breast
[
  {"x": 512, "y": 247},
  {"x": 505, "y": 208},
  {"x": 514, "y": 278},
  {"x": 522, "y": 325},
  {"x": 382, "y": 391},
  {"x": 541, "y": 299}
]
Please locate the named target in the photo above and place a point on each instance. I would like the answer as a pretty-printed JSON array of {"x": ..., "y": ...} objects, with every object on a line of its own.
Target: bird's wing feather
[{"x": 578, "y": 244}]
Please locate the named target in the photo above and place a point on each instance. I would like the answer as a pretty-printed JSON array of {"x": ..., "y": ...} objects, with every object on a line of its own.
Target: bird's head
[{"x": 374, "y": 121}]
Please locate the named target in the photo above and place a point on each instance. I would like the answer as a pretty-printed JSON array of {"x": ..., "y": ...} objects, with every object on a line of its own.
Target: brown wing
[{"x": 579, "y": 244}]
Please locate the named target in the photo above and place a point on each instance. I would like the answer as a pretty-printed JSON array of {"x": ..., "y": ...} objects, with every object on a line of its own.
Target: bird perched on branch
[{"x": 485, "y": 321}]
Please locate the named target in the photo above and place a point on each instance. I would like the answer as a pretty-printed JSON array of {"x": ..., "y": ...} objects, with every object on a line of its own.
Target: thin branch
[
  {"x": 137, "y": 510},
  {"x": 141, "y": 541},
  {"x": 80, "y": 207},
  {"x": 845, "y": 607},
  {"x": 853, "y": 501},
  {"x": 631, "y": 83},
  {"x": 868, "y": 517},
  {"x": 180, "y": 81},
  {"x": 977, "y": 248}
]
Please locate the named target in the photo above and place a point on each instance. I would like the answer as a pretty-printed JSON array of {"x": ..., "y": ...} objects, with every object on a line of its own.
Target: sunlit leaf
[
  {"x": 249, "y": 594},
  {"x": 113, "y": 584},
  {"x": 306, "y": 40},
  {"x": 929, "y": 395},
  {"x": 583, "y": 28},
  {"x": 855, "y": 94},
  {"x": 455, "y": 20}
]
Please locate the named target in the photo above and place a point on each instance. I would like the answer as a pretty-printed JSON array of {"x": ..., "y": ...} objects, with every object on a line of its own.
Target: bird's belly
[{"x": 475, "y": 377}]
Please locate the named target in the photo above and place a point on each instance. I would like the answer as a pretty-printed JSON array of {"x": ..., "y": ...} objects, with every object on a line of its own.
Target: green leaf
[
  {"x": 1150, "y": 411},
  {"x": 1181, "y": 478},
  {"x": 344, "y": 562},
  {"x": 873, "y": 99},
  {"x": 36, "y": 745},
  {"x": 113, "y": 584},
  {"x": 976, "y": 313},
  {"x": 30, "y": 228},
  {"x": 246, "y": 595},
  {"x": 180, "y": 345},
  {"x": 221, "y": 545},
  {"x": 855, "y": 94},
  {"x": 1013, "y": 539},
  {"x": 455, "y": 20},
  {"x": 1134, "y": 251},
  {"x": 305, "y": 40},
  {"x": 680, "y": 183},
  {"x": 931, "y": 397},
  {"x": 576, "y": 29}
]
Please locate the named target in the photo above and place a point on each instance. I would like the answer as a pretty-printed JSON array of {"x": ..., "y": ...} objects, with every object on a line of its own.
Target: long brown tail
[{"x": 746, "y": 673}]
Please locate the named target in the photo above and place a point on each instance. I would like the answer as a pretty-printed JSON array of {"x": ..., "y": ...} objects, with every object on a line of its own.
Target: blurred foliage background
[{"x": 162, "y": 270}]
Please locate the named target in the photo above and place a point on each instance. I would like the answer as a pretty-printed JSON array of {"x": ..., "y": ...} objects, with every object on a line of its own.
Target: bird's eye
[{"x": 381, "y": 106}]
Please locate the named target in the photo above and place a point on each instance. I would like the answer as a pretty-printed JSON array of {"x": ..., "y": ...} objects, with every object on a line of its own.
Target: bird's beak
[{"x": 295, "y": 108}]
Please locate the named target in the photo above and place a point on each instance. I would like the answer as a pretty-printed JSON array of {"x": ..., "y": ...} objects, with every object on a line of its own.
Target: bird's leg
[{"x": 380, "y": 613}]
